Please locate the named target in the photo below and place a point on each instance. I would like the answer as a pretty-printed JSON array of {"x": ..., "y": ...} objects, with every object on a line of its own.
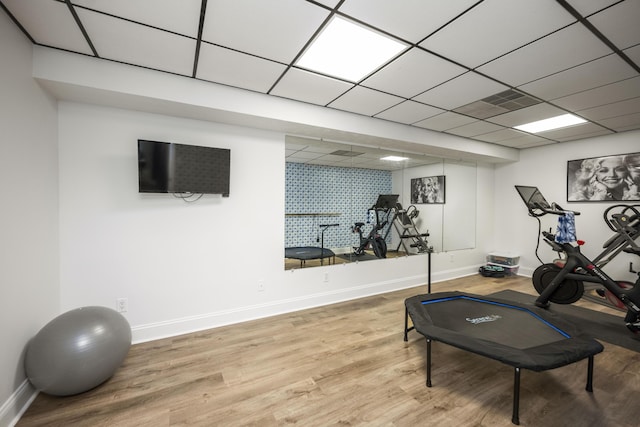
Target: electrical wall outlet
[
  {"x": 122, "y": 305},
  {"x": 261, "y": 285},
  {"x": 326, "y": 277}
]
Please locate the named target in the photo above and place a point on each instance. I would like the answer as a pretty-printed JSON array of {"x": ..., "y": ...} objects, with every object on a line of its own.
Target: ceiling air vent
[
  {"x": 500, "y": 103},
  {"x": 346, "y": 153}
]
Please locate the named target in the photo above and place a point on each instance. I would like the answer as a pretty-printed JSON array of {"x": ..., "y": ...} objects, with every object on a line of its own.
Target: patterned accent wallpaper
[{"x": 317, "y": 189}]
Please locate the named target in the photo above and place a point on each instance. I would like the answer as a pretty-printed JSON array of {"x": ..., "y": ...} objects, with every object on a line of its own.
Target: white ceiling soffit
[{"x": 570, "y": 56}]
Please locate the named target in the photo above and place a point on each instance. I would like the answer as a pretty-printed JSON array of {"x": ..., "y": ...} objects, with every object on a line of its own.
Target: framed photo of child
[
  {"x": 607, "y": 178},
  {"x": 428, "y": 190}
]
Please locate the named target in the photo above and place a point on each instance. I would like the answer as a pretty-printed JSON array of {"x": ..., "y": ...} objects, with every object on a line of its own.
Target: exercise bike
[
  {"x": 562, "y": 282},
  {"x": 374, "y": 239}
]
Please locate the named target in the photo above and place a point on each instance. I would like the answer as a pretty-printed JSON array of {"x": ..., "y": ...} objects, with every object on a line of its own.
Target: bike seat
[{"x": 359, "y": 224}]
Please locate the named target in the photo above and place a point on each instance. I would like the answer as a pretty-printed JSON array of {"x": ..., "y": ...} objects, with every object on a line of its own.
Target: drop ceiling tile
[
  {"x": 313, "y": 145},
  {"x": 494, "y": 28},
  {"x": 365, "y": 101},
  {"x": 462, "y": 90},
  {"x": 628, "y": 106},
  {"x": 237, "y": 69},
  {"x": 363, "y": 163},
  {"x": 587, "y": 130},
  {"x": 409, "y": 112},
  {"x": 371, "y": 153},
  {"x": 413, "y": 73},
  {"x": 600, "y": 72},
  {"x": 444, "y": 121},
  {"x": 411, "y": 20},
  {"x": 272, "y": 30},
  {"x": 293, "y": 160},
  {"x": 137, "y": 44},
  {"x": 324, "y": 148},
  {"x": 527, "y": 115},
  {"x": 613, "y": 92},
  {"x": 179, "y": 16},
  {"x": 622, "y": 123},
  {"x": 619, "y": 23},
  {"x": 36, "y": 18},
  {"x": 587, "y": 7},
  {"x": 333, "y": 158},
  {"x": 329, "y": 3},
  {"x": 476, "y": 128},
  {"x": 293, "y": 144},
  {"x": 634, "y": 54},
  {"x": 309, "y": 87},
  {"x": 564, "y": 49},
  {"x": 522, "y": 140},
  {"x": 304, "y": 156},
  {"x": 500, "y": 136}
]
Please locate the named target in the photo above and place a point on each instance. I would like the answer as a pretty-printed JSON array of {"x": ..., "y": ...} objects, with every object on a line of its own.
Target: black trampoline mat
[
  {"x": 307, "y": 252},
  {"x": 508, "y": 325}
]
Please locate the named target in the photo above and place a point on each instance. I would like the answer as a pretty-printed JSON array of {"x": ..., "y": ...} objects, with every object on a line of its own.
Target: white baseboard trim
[
  {"x": 185, "y": 325},
  {"x": 525, "y": 271},
  {"x": 455, "y": 273},
  {"x": 17, "y": 404},
  {"x": 174, "y": 327}
]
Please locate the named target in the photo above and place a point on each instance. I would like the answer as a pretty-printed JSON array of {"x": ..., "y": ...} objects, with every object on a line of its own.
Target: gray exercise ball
[{"x": 77, "y": 351}]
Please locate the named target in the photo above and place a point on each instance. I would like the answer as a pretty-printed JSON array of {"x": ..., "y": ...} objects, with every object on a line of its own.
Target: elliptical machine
[
  {"x": 374, "y": 240},
  {"x": 562, "y": 282}
]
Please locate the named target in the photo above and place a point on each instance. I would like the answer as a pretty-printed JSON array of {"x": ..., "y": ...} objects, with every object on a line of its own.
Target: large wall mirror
[{"x": 333, "y": 203}]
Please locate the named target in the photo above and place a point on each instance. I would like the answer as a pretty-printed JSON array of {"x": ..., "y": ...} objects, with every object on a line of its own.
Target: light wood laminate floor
[{"x": 343, "y": 365}]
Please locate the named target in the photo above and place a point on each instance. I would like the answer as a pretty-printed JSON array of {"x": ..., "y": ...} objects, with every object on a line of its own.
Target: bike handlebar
[
  {"x": 622, "y": 219},
  {"x": 554, "y": 209}
]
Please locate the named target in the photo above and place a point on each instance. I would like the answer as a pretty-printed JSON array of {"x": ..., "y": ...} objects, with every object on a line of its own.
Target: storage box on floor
[{"x": 508, "y": 261}]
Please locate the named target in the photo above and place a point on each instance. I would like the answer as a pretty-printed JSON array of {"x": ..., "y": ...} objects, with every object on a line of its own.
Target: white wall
[
  {"x": 170, "y": 259},
  {"x": 185, "y": 267},
  {"x": 29, "y": 288},
  {"x": 546, "y": 168}
]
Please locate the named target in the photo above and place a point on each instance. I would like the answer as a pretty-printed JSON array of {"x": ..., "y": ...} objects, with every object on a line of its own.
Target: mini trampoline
[
  {"x": 304, "y": 253},
  {"x": 519, "y": 335}
]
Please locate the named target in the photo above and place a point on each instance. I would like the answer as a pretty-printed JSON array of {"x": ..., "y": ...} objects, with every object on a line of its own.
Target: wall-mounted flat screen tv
[{"x": 166, "y": 167}]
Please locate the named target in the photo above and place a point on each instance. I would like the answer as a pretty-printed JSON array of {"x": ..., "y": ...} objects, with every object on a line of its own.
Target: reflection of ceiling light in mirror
[
  {"x": 348, "y": 51},
  {"x": 551, "y": 123},
  {"x": 394, "y": 158}
]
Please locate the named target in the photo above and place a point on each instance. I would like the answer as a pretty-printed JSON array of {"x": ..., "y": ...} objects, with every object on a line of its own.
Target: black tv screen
[{"x": 166, "y": 167}]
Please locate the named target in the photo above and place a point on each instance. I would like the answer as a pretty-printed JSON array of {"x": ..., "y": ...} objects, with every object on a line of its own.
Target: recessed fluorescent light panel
[
  {"x": 394, "y": 158},
  {"x": 551, "y": 123},
  {"x": 348, "y": 51}
]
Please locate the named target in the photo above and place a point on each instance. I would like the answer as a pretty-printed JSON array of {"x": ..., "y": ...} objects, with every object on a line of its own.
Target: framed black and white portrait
[
  {"x": 428, "y": 190},
  {"x": 604, "y": 178}
]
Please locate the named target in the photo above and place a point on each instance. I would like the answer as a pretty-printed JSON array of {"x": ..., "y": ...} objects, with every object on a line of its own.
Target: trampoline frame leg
[
  {"x": 515, "y": 418},
  {"x": 406, "y": 325},
  {"x": 589, "y": 386},
  {"x": 428, "y": 362},
  {"x": 406, "y": 312}
]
